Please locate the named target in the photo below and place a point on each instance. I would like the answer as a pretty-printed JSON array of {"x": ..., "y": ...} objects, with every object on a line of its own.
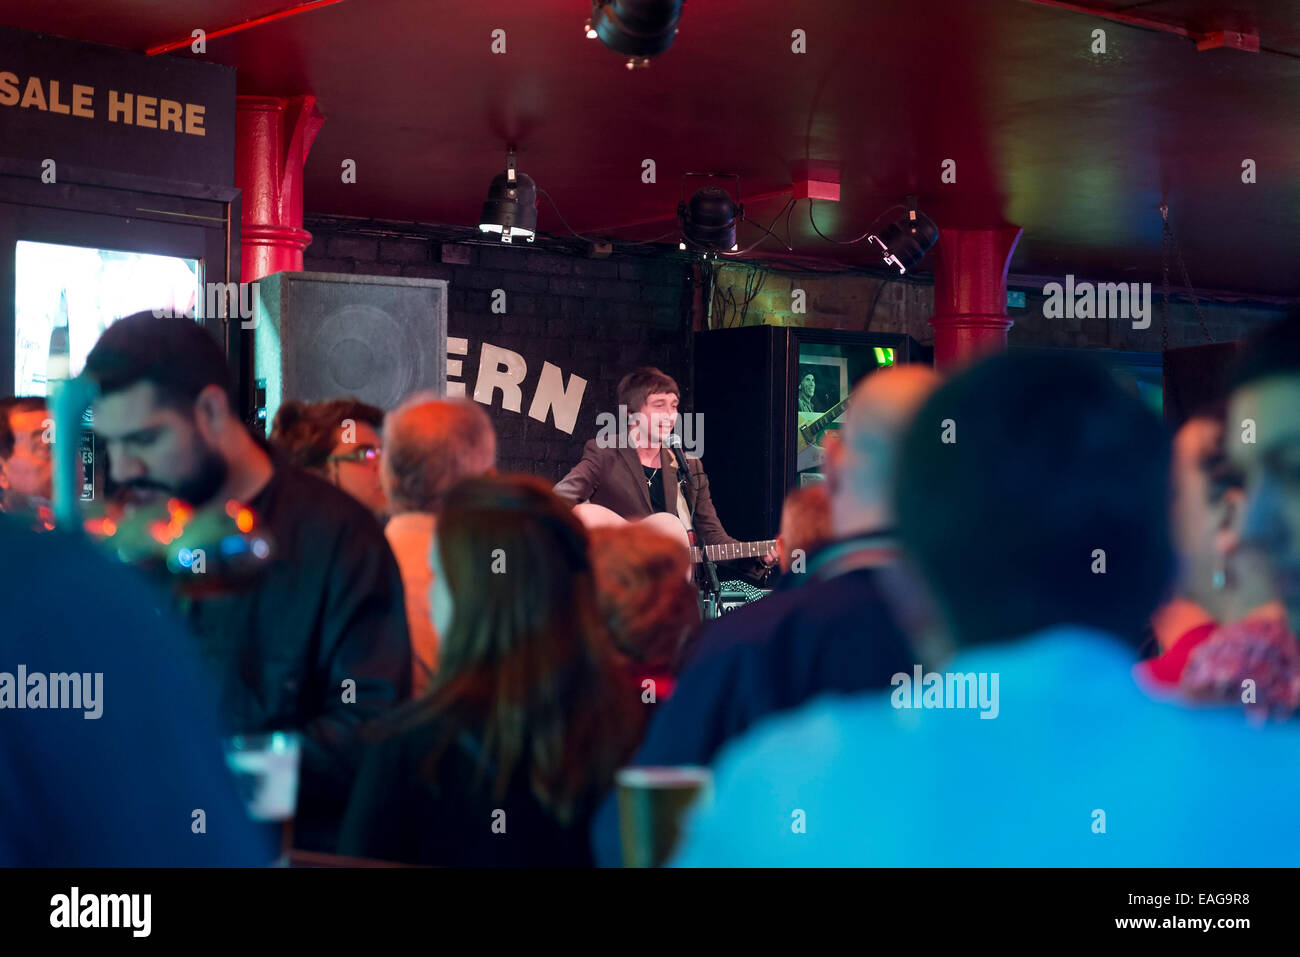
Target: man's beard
[{"x": 196, "y": 489}]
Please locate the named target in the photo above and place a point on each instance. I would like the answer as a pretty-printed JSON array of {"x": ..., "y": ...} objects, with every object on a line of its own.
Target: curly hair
[{"x": 307, "y": 431}]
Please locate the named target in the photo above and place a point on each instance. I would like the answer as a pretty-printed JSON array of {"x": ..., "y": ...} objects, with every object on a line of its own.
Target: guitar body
[
  {"x": 809, "y": 453},
  {"x": 598, "y": 516}
]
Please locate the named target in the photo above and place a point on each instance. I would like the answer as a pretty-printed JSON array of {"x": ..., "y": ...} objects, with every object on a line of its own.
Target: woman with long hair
[{"x": 503, "y": 759}]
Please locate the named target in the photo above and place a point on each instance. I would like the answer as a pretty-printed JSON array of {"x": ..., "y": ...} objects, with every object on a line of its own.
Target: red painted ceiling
[{"x": 1077, "y": 148}]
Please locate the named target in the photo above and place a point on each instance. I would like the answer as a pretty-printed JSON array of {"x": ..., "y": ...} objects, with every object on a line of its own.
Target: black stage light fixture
[
  {"x": 708, "y": 221},
  {"x": 511, "y": 207},
  {"x": 641, "y": 29},
  {"x": 905, "y": 241}
]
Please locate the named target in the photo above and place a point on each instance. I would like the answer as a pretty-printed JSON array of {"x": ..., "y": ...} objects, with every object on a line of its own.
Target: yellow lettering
[
  {"x": 81, "y": 101},
  {"x": 55, "y": 105},
  {"x": 119, "y": 106},
  {"x": 170, "y": 115},
  {"x": 144, "y": 107},
  {"x": 34, "y": 95},
  {"x": 8, "y": 89},
  {"x": 194, "y": 119}
]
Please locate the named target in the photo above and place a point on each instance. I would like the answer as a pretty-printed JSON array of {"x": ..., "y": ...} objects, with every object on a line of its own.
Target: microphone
[{"x": 674, "y": 441}]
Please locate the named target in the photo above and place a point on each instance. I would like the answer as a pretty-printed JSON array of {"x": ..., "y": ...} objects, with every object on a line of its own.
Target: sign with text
[{"x": 87, "y": 105}]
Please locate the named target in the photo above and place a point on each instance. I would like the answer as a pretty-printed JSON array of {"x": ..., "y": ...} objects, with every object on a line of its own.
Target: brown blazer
[{"x": 612, "y": 477}]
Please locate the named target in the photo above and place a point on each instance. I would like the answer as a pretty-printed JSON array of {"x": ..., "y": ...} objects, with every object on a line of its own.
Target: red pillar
[
  {"x": 273, "y": 135},
  {"x": 970, "y": 293}
]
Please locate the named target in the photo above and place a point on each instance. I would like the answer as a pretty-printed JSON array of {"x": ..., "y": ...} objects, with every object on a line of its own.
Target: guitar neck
[
  {"x": 731, "y": 551},
  {"x": 822, "y": 422}
]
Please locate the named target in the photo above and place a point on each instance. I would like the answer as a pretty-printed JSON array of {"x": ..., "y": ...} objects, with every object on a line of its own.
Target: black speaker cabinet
[
  {"x": 321, "y": 336},
  {"x": 1196, "y": 376},
  {"x": 767, "y": 396}
]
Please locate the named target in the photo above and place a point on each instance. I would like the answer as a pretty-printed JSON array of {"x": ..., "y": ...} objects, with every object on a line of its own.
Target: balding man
[
  {"x": 832, "y": 632},
  {"x": 430, "y": 444}
]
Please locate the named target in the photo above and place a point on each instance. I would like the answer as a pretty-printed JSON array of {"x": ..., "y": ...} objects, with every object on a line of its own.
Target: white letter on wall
[
  {"x": 500, "y": 369},
  {"x": 551, "y": 394}
]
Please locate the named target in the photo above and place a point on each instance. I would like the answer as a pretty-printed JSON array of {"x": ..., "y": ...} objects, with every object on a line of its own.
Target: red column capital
[
  {"x": 273, "y": 135},
  {"x": 970, "y": 293}
]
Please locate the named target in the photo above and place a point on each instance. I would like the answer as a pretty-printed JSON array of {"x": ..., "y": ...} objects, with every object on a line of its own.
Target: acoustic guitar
[{"x": 594, "y": 516}]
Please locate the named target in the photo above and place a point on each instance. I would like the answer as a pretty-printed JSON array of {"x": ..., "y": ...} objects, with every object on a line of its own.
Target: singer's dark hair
[{"x": 635, "y": 387}]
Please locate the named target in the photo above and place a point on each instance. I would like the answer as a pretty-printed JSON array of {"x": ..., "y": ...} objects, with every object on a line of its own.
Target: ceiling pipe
[{"x": 244, "y": 25}]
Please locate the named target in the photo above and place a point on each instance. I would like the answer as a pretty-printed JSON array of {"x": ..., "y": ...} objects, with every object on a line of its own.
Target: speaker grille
[{"x": 320, "y": 336}]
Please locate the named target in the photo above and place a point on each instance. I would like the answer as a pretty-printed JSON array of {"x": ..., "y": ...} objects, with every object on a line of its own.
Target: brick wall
[
  {"x": 595, "y": 318},
  {"x": 844, "y": 301}
]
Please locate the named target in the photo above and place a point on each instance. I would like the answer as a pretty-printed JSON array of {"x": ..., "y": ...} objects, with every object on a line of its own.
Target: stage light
[
  {"x": 641, "y": 29},
  {"x": 590, "y": 31},
  {"x": 511, "y": 207},
  {"x": 905, "y": 242},
  {"x": 708, "y": 221}
]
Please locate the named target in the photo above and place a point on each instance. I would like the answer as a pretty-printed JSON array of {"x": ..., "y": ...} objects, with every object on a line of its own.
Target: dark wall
[{"x": 595, "y": 318}]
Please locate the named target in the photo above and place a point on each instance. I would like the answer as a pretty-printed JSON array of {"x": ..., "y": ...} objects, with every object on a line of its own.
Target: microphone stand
[{"x": 711, "y": 587}]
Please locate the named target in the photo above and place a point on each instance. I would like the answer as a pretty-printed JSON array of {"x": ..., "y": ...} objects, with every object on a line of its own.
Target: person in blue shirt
[
  {"x": 128, "y": 771},
  {"x": 1032, "y": 495}
]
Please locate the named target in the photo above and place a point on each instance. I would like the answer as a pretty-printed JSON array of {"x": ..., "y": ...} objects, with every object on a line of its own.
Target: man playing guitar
[{"x": 642, "y": 477}]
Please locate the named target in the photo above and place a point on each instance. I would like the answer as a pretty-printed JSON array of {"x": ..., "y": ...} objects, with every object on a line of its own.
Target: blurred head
[
  {"x": 430, "y": 445},
  {"x": 1016, "y": 480},
  {"x": 338, "y": 440},
  {"x": 651, "y": 399},
  {"x": 526, "y": 660},
  {"x": 165, "y": 412},
  {"x": 860, "y": 458},
  {"x": 26, "y": 471},
  {"x": 805, "y": 523},
  {"x": 643, "y": 592},
  {"x": 1208, "y": 506},
  {"x": 1263, "y": 439}
]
